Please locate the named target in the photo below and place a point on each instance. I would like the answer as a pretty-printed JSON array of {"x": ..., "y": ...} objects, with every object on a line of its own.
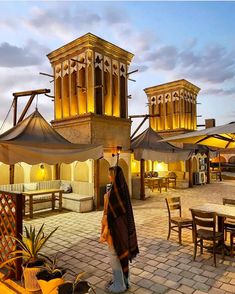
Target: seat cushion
[
  {"x": 66, "y": 187},
  {"x": 30, "y": 187},
  {"x": 76, "y": 197},
  {"x": 181, "y": 220},
  {"x": 208, "y": 235}
]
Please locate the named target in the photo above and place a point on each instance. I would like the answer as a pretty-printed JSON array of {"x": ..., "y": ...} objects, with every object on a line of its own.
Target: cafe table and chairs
[
  {"x": 157, "y": 182},
  {"x": 221, "y": 212}
]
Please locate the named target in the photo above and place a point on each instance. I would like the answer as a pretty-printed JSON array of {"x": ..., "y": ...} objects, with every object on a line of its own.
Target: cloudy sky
[{"x": 170, "y": 40}]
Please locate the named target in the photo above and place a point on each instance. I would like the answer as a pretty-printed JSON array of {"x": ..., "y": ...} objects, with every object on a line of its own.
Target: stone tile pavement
[{"x": 162, "y": 266}]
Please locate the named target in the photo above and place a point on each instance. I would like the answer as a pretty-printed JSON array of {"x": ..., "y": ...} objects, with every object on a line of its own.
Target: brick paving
[{"x": 162, "y": 266}]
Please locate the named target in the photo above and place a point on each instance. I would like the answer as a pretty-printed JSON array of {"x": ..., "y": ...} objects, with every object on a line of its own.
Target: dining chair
[
  {"x": 204, "y": 229},
  {"x": 229, "y": 225},
  {"x": 155, "y": 174},
  {"x": 172, "y": 178},
  {"x": 175, "y": 219}
]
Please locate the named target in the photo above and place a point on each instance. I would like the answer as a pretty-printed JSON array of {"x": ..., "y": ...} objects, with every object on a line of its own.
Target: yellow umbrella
[{"x": 218, "y": 137}]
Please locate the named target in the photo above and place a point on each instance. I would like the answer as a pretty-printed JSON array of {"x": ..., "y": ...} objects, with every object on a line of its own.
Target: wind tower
[
  {"x": 91, "y": 104},
  {"x": 91, "y": 100},
  {"x": 175, "y": 104}
]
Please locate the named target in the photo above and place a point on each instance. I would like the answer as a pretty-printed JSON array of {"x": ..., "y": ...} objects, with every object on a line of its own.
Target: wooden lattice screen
[{"x": 11, "y": 219}]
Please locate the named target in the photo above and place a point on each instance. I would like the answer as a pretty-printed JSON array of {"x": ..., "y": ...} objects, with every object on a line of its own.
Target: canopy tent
[
  {"x": 147, "y": 146},
  {"x": 33, "y": 140},
  {"x": 219, "y": 137}
]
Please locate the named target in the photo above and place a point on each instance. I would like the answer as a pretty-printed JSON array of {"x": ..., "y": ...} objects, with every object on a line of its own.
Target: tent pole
[
  {"x": 220, "y": 175},
  {"x": 190, "y": 172},
  {"x": 12, "y": 166},
  {"x": 97, "y": 183},
  {"x": 12, "y": 173},
  {"x": 142, "y": 170},
  {"x": 152, "y": 166},
  {"x": 57, "y": 171},
  {"x": 208, "y": 167}
]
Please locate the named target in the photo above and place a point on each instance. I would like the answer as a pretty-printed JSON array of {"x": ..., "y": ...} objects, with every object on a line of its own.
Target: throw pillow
[
  {"x": 66, "y": 188},
  {"x": 30, "y": 187}
]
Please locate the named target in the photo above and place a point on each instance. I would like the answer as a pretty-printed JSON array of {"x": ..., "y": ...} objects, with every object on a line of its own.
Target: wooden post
[
  {"x": 208, "y": 167},
  {"x": 142, "y": 189},
  {"x": 152, "y": 166},
  {"x": 220, "y": 175},
  {"x": 97, "y": 183},
  {"x": 11, "y": 173},
  {"x": 57, "y": 171},
  {"x": 190, "y": 172},
  {"x": 19, "y": 230}
]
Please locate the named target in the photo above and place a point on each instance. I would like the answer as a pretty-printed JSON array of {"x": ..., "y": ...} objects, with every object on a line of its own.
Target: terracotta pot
[
  {"x": 30, "y": 279},
  {"x": 50, "y": 287}
]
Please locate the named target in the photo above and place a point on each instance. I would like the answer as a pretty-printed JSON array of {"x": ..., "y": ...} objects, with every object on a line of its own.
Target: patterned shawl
[{"x": 121, "y": 221}]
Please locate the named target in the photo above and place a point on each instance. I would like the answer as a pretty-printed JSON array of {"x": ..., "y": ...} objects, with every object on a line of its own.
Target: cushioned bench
[
  {"x": 80, "y": 200},
  {"x": 76, "y": 202}
]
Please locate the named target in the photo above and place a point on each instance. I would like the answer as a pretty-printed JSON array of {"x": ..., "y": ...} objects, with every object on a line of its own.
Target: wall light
[{"x": 118, "y": 152}]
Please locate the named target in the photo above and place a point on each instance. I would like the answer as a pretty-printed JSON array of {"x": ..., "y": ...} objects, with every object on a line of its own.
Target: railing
[{"x": 11, "y": 222}]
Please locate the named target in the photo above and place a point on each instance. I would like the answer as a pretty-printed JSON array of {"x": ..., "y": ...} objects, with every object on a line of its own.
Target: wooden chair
[
  {"x": 155, "y": 174},
  {"x": 172, "y": 178},
  {"x": 229, "y": 224},
  {"x": 176, "y": 223},
  {"x": 204, "y": 228},
  {"x": 163, "y": 183}
]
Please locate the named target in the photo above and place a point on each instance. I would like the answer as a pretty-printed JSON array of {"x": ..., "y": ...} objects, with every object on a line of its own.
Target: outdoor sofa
[{"x": 79, "y": 198}]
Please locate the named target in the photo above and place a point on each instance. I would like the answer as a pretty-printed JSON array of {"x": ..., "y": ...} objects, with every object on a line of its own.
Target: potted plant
[
  {"x": 29, "y": 249},
  {"x": 50, "y": 276},
  {"x": 79, "y": 286}
]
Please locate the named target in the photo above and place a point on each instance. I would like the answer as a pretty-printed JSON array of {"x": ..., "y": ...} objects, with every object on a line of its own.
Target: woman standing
[{"x": 118, "y": 230}]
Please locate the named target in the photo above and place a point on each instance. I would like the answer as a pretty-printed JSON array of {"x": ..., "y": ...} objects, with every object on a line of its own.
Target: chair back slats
[
  {"x": 174, "y": 206},
  {"x": 204, "y": 223},
  {"x": 174, "y": 200},
  {"x": 204, "y": 219},
  {"x": 228, "y": 201},
  {"x": 173, "y": 203}
]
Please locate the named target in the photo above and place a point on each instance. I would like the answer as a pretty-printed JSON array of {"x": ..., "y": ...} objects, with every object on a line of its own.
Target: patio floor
[{"x": 162, "y": 266}]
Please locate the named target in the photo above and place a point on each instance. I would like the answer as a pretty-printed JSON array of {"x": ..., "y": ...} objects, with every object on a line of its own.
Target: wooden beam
[
  {"x": 31, "y": 92},
  {"x": 143, "y": 115},
  {"x": 140, "y": 125},
  {"x": 26, "y": 107},
  {"x": 15, "y": 111}
]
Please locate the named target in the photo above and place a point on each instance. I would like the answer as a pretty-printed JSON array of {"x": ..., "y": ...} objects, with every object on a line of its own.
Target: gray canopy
[
  {"x": 147, "y": 146},
  {"x": 33, "y": 140}
]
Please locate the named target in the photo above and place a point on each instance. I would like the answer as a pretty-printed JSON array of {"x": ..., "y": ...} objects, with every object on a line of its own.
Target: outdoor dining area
[
  {"x": 163, "y": 266},
  {"x": 210, "y": 222}
]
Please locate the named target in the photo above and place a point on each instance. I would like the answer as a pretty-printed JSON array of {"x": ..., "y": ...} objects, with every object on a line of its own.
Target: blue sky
[{"x": 170, "y": 40}]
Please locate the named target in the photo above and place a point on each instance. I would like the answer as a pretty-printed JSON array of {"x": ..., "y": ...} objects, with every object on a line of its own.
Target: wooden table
[
  {"x": 151, "y": 182},
  {"x": 221, "y": 211},
  {"x": 51, "y": 192}
]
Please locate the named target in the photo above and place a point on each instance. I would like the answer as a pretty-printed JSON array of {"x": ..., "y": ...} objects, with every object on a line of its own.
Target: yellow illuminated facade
[
  {"x": 90, "y": 77},
  {"x": 174, "y": 103}
]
